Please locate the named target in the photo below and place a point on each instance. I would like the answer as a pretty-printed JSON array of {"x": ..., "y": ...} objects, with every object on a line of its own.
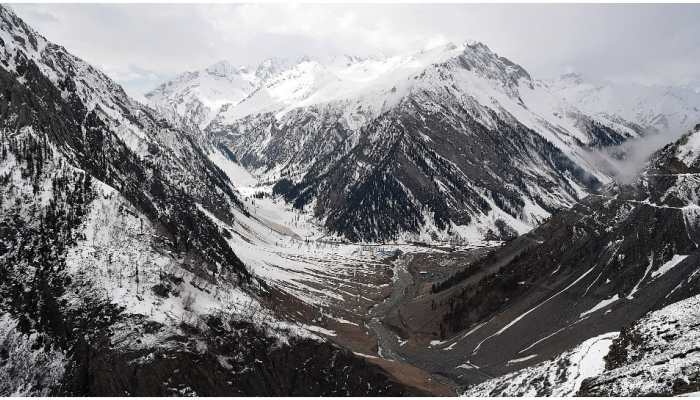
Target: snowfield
[
  {"x": 561, "y": 376},
  {"x": 657, "y": 355}
]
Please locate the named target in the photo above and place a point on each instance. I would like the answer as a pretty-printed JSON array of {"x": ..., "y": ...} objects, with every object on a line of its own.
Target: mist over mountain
[
  {"x": 438, "y": 221},
  {"x": 279, "y": 129}
]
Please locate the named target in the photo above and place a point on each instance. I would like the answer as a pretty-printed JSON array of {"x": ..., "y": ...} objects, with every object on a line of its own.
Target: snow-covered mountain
[
  {"x": 455, "y": 140},
  {"x": 590, "y": 272},
  {"x": 665, "y": 109},
  {"x": 118, "y": 271},
  {"x": 305, "y": 126},
  {"x": 196, "y": 97},
  {"x": 143, "y": 255}
]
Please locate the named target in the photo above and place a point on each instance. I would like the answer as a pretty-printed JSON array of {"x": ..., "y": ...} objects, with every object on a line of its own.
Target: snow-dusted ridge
[
  {"x": 196, "y": 97},
  {"x": 559, "y": 377},
  {"x": 444, "y": 109},
  {"x": 115, "y": 271},
  {"x": 656, "y": 355},
  {"x": 666, "y": 109}
]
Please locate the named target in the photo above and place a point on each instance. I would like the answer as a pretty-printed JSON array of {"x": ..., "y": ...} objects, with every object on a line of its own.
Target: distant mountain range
[
  {"x": 437, "y": 222},
  {"x": 666, "y": 109},
  {"x": 456, "y": 141}
]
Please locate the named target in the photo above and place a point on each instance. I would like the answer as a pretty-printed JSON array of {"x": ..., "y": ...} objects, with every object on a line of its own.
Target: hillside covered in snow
[
  {"x": 438, "y": 222},
  {"x": 605, "y": 266},
  {"x": 411, "y": 134},
  {"x": 656, "y": 355},
  {"x": 666, "y": 109},
  {"x": 117, "y": 276}
]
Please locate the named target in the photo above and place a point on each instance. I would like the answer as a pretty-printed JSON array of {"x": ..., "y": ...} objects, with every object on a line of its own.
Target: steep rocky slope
[
  {"x": 561, "y": 376},
  {"x": 656, "y": 355},
  {"x": 588, "y": 271},
  {"x": 451, "y": 142},
  {"x": 116, "y": 278}
]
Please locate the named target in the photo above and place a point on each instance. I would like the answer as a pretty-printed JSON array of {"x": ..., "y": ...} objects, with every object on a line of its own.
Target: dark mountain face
[
  {"x": 240, "y": 360},
  {"x": 304, "y": 137},
  {"x": 116, "y": 280},
  {"x": 588, "y": 271},
  {"x": 460, "y": 155},
  {"x": 416, "y": 166},
  {"x": 152, "y": 174},
  {"x": 104, "y": 236}
]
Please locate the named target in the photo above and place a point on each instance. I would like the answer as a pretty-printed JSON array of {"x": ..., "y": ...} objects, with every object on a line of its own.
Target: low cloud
[{"x": 626, "y": 161}]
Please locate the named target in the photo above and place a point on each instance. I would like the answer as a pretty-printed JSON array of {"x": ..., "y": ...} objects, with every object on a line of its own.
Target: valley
[
  {"x": 436, "y": 222},
  {"x": 350, "y": 293},
  {"x": 387, "y": 302},
  {"x": 390, "y": 301}
]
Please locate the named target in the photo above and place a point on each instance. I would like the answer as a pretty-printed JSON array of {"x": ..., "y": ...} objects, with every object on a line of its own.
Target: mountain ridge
[
  {"x": 319, "y": 118},
  {"x": 274, "y": 253},
  {"x": 117, "y": 276}
]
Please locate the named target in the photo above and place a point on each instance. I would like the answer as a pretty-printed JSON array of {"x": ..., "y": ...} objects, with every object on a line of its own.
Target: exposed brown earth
[{"x": 369, "y": 322}]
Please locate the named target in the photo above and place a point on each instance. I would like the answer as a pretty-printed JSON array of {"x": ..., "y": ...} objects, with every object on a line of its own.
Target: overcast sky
[{"x": 142, "y": 45}]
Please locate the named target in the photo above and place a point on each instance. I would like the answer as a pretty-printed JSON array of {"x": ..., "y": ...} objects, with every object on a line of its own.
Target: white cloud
[{"x": 139, "y": 44}]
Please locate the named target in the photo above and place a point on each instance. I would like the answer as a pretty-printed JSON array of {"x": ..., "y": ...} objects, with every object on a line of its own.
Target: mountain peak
[
  {"x": 473, "y": 43},
  {"x": 20, "y": 35},
  {"x": 270, "y": 67},
  {"x": 304, "y": 58},
  {"x": 479, "y": 58},
  {"x": 11, "y": 20},
  {"x": 225, "y": 68}
]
